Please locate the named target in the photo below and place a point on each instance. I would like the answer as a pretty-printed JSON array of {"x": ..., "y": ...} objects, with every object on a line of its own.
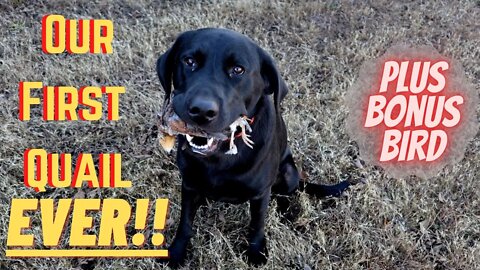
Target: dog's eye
[
  {"x": 190, "y": 61},
  {"x": 237, "y": 70}
]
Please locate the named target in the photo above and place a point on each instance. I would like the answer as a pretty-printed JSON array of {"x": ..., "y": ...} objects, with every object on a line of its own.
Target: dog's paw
[
  {"x": 257, "y": 253},
  {"x": 177, "y": 254}
]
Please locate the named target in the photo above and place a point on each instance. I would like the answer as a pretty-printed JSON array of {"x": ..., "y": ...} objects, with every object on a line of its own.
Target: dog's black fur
[{"x": 203, "y": 66}]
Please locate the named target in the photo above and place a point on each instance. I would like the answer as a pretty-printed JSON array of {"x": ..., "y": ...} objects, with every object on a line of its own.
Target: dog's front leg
[
  {"x": 257, "y": 250},
  {"x": 178, "y": 249}
]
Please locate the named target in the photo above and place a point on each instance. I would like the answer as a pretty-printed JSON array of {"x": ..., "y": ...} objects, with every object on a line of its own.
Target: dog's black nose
[{"x": 203, "y": 110}]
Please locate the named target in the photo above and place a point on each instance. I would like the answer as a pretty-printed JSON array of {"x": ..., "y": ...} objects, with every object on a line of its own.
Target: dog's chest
[{"x": 226, "y": 188}]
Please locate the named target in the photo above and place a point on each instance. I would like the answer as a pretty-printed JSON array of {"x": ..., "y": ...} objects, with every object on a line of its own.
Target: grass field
[{"x": 384, "y": 224}]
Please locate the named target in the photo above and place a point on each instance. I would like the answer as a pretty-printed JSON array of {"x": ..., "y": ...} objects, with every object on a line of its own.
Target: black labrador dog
[{"x": 219, "y": 75}]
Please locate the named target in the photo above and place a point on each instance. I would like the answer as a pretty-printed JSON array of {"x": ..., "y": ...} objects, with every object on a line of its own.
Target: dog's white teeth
[
  {"x": 198, "y": 146},
  {"x": 201, "y": 147},
  {"x": 205, "y": 146}
]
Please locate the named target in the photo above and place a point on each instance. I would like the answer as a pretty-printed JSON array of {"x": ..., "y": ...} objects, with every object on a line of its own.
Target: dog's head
[{"x": 217, "y": 75}]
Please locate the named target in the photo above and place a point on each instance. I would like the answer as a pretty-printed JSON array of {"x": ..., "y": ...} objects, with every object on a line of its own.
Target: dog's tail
[
  {"x": 319, "y": 190},
  {"x": 295, "y": 180}
]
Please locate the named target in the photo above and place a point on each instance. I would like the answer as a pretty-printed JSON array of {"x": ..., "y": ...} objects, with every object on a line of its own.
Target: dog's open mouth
[
  {"x": 200, "y": 141},
  {"x": 202, "y": 145}
]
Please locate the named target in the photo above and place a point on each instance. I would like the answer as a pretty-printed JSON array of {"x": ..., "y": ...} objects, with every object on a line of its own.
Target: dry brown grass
[{"x": 385, "y": 224}]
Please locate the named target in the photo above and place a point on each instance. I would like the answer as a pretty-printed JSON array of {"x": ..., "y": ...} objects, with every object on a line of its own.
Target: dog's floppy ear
[
  {"x": 274, "y": 81},
  {"x": 165, "y": 66}
]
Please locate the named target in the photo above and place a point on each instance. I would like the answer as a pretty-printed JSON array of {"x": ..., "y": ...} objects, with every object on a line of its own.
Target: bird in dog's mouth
[{"x": 200, "y": 141}]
